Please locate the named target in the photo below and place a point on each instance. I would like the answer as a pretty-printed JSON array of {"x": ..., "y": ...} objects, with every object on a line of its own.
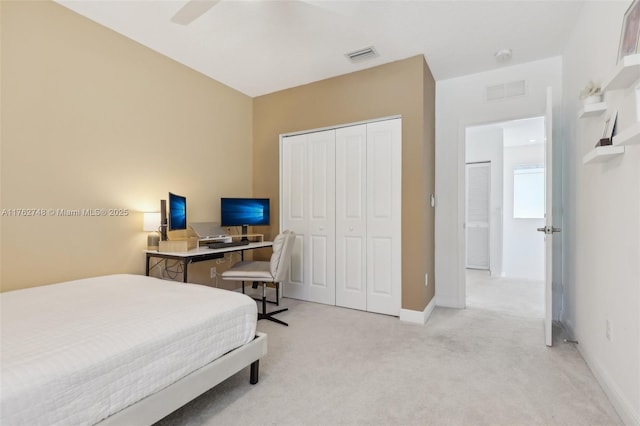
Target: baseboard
[
  {"x": 449, "y": 302},
  {"x": 418, "y": 317},
  {"x": 498, "y": 274},
  {"x": 569, "y": 332},
  {"x": 621, "y": 405}
]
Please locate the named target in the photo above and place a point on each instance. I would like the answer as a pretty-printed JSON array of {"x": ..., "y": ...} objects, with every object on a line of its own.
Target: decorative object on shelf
[
  {"x": 151, "y": 224},
  {"x": 630, "y": 31},
  {"x": 610, "y": 126},
  {"x": 591, "y": 94}
]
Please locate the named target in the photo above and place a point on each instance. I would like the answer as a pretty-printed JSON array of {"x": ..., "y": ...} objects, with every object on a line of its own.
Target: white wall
[
  {"x": 460, "y": 103},
  {"x": 485, "y": 144},
  {"x": 602, "y": 227},
  {"x": 523, "y": 245}
]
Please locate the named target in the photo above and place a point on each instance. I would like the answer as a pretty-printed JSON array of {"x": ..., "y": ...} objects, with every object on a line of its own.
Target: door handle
[{"x": 548, "y": 229}]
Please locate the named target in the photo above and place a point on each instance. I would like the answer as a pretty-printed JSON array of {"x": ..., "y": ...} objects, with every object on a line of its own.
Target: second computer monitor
[{"x": 244, "y": 211}]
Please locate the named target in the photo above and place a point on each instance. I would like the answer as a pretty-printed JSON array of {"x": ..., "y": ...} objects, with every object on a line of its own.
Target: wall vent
[
  {"x": 362, "y": 54},
  {"x": 506, "y": 90}
]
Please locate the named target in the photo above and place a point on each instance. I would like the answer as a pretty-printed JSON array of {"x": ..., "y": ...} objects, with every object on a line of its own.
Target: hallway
[{"x": 516, "y": 297}]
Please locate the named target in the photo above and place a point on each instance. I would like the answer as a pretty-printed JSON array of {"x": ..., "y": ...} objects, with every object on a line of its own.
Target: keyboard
[{"x": 220, "y": 245}]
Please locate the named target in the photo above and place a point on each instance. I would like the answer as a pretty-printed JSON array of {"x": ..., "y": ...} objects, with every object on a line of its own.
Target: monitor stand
[
  {"x": 244, "y": 233},
  {"x": 163, "y": 220}
]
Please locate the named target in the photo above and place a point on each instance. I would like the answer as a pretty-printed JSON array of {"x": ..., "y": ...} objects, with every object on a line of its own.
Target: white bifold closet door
[
  {"x": 343, "y": 199},
  {"x": 384, "y": 202},
  {"x": 351, "y": 217},
  {"x": 308, "y": 201}
]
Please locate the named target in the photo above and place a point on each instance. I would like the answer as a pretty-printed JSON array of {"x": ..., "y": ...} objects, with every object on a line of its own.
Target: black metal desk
[{"x": 200, "y": 254}]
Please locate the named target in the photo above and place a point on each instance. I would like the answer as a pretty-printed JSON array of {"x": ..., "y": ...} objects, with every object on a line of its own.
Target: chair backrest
[{"x": 282, "y": 249}]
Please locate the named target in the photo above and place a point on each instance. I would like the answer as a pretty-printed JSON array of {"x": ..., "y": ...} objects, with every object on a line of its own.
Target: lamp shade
[{"x": 151, "y": 221}]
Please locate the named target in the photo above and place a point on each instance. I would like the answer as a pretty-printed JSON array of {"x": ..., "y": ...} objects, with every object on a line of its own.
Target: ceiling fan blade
[{"x": 192, "y": 10}]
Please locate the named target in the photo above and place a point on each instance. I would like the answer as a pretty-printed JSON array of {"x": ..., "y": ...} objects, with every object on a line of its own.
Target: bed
[{"x": 119, "y": 349}]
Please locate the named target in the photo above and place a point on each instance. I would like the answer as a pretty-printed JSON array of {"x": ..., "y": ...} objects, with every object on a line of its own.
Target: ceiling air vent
[
  {"x": 506, "y": 90},
  {"x": 362, "y": 54}
]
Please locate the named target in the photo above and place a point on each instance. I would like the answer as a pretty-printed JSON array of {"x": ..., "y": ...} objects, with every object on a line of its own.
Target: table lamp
[{"x": 151, "y": 224}]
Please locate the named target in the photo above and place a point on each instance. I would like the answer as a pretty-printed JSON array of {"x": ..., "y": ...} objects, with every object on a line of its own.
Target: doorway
[{"x": 504, "y": 205}]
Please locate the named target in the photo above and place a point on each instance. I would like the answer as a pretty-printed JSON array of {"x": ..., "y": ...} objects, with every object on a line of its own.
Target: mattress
[{"x": 76, "y": 352}]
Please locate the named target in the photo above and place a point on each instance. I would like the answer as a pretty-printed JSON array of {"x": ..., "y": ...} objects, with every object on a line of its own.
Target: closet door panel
[
  {"x": 296, "y": 184},
  {"x": 341, "y": 193},
  {"x": 381, "y": 181},
  {"x": 381, "y": 278},
  {"x": 320, "y": 262},
  {"x": 384, "y": 167},
  {"x": 351, "y": 190},
  {"x": 293, "y": 213},
  {"x": 296, "y": 268},
  {"x": 354, "y": 278}
]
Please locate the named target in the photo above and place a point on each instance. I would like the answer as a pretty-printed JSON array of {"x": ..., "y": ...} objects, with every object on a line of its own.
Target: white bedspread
[{"x": 77, "y": 352}]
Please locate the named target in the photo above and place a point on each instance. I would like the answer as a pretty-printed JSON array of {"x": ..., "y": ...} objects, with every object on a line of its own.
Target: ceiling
[{"x": 262, "y": 46}]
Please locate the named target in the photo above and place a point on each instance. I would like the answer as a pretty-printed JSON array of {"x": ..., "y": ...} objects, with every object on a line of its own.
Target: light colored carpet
[
  {"x": 336, "y": 366},
  {"x": 516, "y": 297}
]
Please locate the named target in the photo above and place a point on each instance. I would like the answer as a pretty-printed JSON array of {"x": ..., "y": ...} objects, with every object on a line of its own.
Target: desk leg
[
  {"x": 185, "y": 263},
  {"x": 242, "y": 259},
  {"x": 146, "y": 271}
]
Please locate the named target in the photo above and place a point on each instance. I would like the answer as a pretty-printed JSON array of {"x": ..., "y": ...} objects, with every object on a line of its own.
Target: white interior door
[
  {"x": 294, "y": 210},
  {"x": 384, "y": 187},
  {"x": 351, "y": 191},
  {"x": 308, "y": 202},
  {"x": 320, "y": 244},
  {"x": 477, "y": 216},
  {"x": 548, "y": 228}
]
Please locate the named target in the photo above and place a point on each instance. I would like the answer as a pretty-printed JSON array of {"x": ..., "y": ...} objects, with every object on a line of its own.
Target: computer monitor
[
  {"x": 244, "y": 212},
  {"x": 177, "y": 212}
]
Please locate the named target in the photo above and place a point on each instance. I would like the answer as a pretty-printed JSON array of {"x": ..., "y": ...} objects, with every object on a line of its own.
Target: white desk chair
[{"x": 273, "y": 271}]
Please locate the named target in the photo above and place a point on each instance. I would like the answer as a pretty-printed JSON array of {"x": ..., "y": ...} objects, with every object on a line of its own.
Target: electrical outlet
[
  {"x": 426, "y": 279},
  {"x": 608, "y": 330},
  {"x": 213, "y": 272}
]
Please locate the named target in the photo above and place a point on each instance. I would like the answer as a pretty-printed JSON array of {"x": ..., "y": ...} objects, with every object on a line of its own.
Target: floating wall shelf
[
  {"x": 591, "y": 110},
  {"x": 625, "y": 74},
  {"x": 629, "y": 136},
  {"x": 602, "y": 153}
]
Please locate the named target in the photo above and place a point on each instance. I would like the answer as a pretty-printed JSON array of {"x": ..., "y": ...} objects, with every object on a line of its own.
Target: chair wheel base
[{"x": 268, "y": 316}]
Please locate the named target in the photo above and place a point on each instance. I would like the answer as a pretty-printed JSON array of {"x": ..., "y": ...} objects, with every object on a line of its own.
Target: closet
[{"x": 340, "y": 191}]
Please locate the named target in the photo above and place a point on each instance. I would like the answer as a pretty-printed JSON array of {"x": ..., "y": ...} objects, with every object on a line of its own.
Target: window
[{"x": 528, "y": 191}]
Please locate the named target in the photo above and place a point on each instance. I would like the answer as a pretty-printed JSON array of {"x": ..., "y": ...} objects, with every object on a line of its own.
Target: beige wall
[
  {"x": 91, "y": 119},
  {"x": 403, "y": 88},
  {"x": 429, "y": 99}
]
